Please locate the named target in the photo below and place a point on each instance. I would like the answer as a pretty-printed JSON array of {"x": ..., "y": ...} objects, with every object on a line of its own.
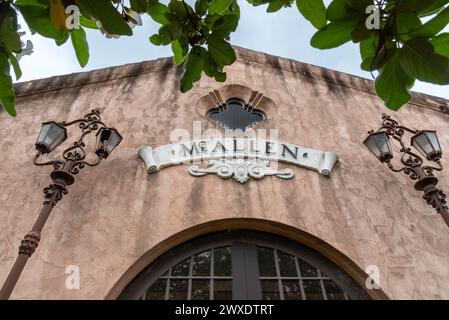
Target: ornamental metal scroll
[{"x": 239, "y": 158}]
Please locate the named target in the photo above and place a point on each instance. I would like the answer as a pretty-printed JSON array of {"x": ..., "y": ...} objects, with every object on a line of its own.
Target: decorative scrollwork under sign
[{"x": 240, "y": 170}]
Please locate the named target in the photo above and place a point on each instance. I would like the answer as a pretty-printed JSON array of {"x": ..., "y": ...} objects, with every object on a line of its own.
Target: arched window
[
  {"x": 236, "y": 114},
  {"x": 243, "y": 265}
]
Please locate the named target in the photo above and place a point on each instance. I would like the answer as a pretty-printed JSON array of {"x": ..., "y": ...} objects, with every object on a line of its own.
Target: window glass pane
[
  {"x": 292, "y": 290},
  {"x": 200, "y": 289},
  {"x": 235, "y": 115},
  {"x": 270, "y": 290},
  {"x": 222, "y": 290},
  {"x": 312, "y": 289},
  {"x": 199, "y": 279},
  {"x": 307, "y": 270},
  {"x": 201, "y": 264},
  {"x": 222, "y": 262},
  {"x": 287, "y": 265},
  {"x": 265, "y": 258},
  {"x": 333, "y": 292},
  {"x": 181, "y": 269},
  {"x": 178, "y": 290},
  {"x": 157, "y": 290}
]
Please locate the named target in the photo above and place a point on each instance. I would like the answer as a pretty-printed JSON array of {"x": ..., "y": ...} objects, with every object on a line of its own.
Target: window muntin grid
[
  {"x": 203, "y": 276},
  {"x": 208, "y": 276},
  {"x": 287, "y": 277}
]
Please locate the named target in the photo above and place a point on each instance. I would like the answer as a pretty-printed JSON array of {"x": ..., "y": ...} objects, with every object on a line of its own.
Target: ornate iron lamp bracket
[
  {"x": 413, "y": 165},
  {"x": 72, "y": 160}
]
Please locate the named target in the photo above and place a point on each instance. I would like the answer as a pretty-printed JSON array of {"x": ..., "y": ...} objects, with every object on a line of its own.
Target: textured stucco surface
[{"x": 116, "y": 212}]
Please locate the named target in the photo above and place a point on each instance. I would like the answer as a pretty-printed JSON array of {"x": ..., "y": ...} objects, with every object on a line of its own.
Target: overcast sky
[{"x": 284, "y": 34}]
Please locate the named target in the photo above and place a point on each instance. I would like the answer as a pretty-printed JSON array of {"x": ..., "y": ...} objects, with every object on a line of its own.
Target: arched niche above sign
[
  {"x": 235, "y": 114},
  {"x": 256, "y": 103}
]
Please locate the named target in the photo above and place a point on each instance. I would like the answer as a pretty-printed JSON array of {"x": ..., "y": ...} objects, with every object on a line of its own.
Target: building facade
[{"x": 143, "y": 226}]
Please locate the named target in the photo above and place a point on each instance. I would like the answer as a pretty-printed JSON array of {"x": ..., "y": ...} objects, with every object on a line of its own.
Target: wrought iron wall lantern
[
  {"x": 73, "y": 159},
  {"x": 424, "y": 142}
]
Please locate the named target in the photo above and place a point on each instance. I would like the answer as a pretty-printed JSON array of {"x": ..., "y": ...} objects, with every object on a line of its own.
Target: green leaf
[
  {"x": 338, "y": 10},
  {"x": 434, "y": 9},
  {"x": 219, "y": 6},
  {"x": 393, "y": 84},
  {"x": 15, "y": 64},
  {"x": 314, "y": 11},
  {"x": 175, "y": 29},
  {"x": 360, "y": 5},
  {"x": 178, "y": 53},
  {"x": 360, "y": 33},
  {"x": 275, "y": 5},
  {"x": 104, "y": 11},
  {"x": 156, "y": 40},
  {"x": 406, "y": 22},
  {"x": 35, "y": 3},
  {"x": 226, "y": 24},
  {"x": 415, "y": 6},
  {"x": 179, "y": 8},
  {"x": 60, "y": 42},
  {"x": 192, "y": 70},
  {"x": 220, "y": 50},
  {"x": 157, "y": 12},
  {"x": 376, "y": 62},
  {"x": 441, "y": 44},
  {"x": 88, "y": 23},
  {"x": 7, "y": 95},
  {"x": 139, "y": 5},
  {"x": 221, "y": 76},
  {"x": 165, "y": 36},
  {"x": 210, "y": 67},
  {"x": 38, "y": 20},
  {"x": 368, "y": 47},
  {"x": 433, "y": 26},
  {"x": 335, "y": 34},
  {"x": 201, "y": 7},
  {"x": 418, "y": 59},
  {"x": 80, "y": 45},
  {"x": 9, "y": 35}
]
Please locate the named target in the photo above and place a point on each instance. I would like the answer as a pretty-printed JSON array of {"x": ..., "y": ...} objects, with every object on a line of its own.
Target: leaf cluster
[{"x": 400, "y": 40}]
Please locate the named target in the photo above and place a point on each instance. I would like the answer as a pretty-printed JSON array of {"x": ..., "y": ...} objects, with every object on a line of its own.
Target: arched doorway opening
[{"x": 243, "y": 264}]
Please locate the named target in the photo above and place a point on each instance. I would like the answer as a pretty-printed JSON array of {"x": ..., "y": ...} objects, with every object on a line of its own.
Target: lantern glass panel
[
  {"x": 114, "y": 140},
  {"x": 422, "y": 144},
  {"x": 427, "y": 144},
  {"x": 50, "y": 136},
  {"x": 107, "y": 140},
  {"x": 434, "y": 140},
  {"x": 379, "y": 145},
  {"x": 372, "y": 146}
]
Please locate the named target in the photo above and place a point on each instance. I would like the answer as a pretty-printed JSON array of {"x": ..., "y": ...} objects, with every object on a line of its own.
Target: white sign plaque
[{"x": 239, "y": 158}]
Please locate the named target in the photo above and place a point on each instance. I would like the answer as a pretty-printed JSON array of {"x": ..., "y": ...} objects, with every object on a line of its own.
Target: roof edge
[{"x": 289, "y": 65}]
